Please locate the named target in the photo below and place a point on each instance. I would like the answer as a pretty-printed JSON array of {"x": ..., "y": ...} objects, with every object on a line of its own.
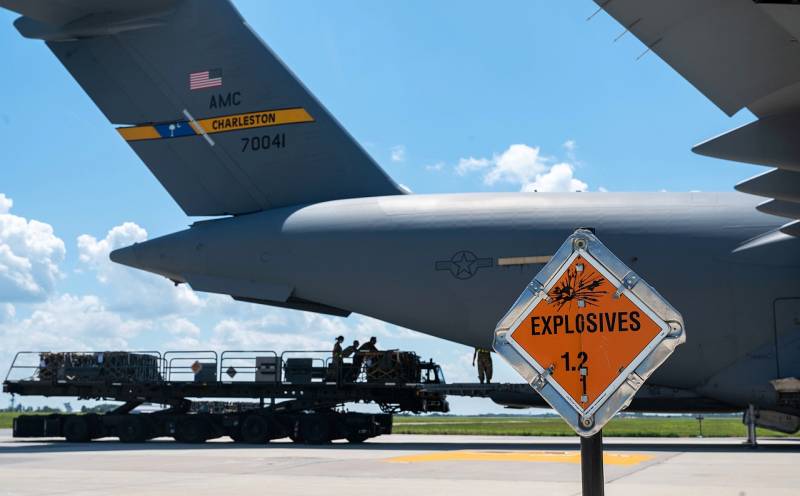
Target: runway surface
[{"x": 398, "y": 465}]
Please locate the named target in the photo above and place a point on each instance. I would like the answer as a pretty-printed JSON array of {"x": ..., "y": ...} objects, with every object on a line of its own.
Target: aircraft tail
[{"x": 220, "y": 121}]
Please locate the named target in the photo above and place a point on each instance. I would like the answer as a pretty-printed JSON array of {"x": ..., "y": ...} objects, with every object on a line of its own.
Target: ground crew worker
[
  {"x": 356, "y": 369},
  {"x": 369, "y": 345},
  {"x": 337, "y": 348},
  {"x": 337, "y": 356},
  {"x": 350, "y": 349},
  {"x": 484, "y": 357},
  {"x": 367, "y": 348}
]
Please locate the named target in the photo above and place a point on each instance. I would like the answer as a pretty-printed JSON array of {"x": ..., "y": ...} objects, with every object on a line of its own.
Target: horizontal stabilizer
[
  {"x": 779, "y": 184},
  {"x": 67, "y": 14},
  {"x": 215, "y": 115}
]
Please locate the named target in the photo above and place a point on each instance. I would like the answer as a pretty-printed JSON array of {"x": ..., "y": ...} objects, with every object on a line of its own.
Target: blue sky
[{"x": 446, "y": 96}]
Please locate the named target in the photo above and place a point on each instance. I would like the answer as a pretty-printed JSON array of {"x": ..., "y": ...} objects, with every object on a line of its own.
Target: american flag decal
[{"x": 205, "y": 79}]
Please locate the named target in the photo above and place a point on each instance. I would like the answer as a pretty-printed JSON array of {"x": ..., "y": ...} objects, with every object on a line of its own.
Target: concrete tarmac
[{"x": 398, "y": 465}]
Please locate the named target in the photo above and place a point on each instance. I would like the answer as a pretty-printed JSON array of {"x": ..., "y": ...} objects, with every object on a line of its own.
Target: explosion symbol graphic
[{"x": 578, "y": 285}]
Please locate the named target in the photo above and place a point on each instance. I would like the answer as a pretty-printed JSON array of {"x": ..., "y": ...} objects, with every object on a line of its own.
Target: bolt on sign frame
[{"x": 587, "y": 332}]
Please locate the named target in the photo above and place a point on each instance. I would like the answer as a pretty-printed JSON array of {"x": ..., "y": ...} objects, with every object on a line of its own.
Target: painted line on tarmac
[{"x": 626, "y": 459}]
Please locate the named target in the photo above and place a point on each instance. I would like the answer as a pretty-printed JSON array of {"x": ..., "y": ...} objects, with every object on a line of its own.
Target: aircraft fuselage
[{"x": 432, "y": 263}]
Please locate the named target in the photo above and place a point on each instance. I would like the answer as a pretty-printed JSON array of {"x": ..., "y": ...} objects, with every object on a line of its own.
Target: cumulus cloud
[
  {"x": 70, "y": 322},
  {"x": 94, "y": 252},
  {"x": 268, "y": 332},
  {"x": 398, "y": 153},
  {"x": 184, "y": 334},
  {"x": 570, "y": 147},
  {"x": 5, "y": 204},
  {"x": 132, "y": 291},
  {"x": 30, "y": 254},
  {"x": 7, "y": 312},
  {"x": 471, "y": 164},
  {"x": 519, "y": 164},
  {"x": 527, "y": 167},
  {"x": 560, "y": 177}
]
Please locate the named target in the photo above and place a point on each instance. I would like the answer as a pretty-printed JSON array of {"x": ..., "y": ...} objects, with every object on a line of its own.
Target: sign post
[
  {"x": 585, "y": 334},
  {"x": 592, "y": 465}
]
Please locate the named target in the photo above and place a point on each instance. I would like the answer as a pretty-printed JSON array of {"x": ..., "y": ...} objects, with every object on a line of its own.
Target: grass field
[
  {"x": 552, "y": 426},
  {"x": 6, "y": 418}
]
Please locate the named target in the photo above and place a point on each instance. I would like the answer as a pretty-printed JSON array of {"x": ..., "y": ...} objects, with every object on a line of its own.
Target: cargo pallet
[{"x": 301, "y": 394}]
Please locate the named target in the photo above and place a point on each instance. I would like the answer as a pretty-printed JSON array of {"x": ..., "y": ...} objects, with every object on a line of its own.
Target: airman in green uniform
[
  {"x": 337, "y": 357},
  {"x": 484, "y": 358}
]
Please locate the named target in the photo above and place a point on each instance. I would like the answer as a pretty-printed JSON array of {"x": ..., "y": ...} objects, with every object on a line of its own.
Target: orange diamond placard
[{"x": 585, "y": 333}]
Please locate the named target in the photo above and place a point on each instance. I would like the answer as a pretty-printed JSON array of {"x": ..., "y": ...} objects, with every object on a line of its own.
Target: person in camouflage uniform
[
  {"x": 484, "y": 358},
  {"x": 337, "y": 357}
]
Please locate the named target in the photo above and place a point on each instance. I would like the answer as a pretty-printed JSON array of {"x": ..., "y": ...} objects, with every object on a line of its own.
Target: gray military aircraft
[{"x": 305, "y": 218}]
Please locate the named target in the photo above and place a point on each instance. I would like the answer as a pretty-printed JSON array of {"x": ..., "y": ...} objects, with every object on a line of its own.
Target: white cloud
[
  {"x": 527, "y": 167},
  {"x": 519, "y": 164},
  {"x": 570, "y": 147},
  {"x": 560, "y": 177},
  {"x": 185, "y": 333},
  {"x": 95, "y": 253},
  {"x": 398, "y": 153},
  {"x": 7, "y": 312},
  {"x": 277, "y": 329},
  {"x": 5, "y": 204},
  {"x": 128, "y": 290},
  {"x": 471, "y": 164},
  {"x": 261, "y": 334},
  {"x": 360, "y": 327},
  {"x": 70, "y": 322},
  {"x": 30, "y": 254},
  {"x": 181, "y": 326},
  {"x": 602, "y": 189},
  {"x": 437, "y": 167}
]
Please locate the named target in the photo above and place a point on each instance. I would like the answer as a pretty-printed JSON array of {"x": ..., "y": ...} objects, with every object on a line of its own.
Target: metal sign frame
[{"x": 618, "y": 395}]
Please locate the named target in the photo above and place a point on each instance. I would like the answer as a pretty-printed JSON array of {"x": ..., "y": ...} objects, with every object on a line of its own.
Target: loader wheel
[
  {"x": 357, "y": 438},
  {"x": 191, "y": 430},
  {"x": 133, "y": 430},
  {"x": 315, "y": 430},
  {"x": 77, "y": 430},
  {"x": 254, "y": 430}
]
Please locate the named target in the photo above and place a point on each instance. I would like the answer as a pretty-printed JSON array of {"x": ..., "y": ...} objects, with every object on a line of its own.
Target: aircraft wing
[{"x": 739, "y": 54}]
